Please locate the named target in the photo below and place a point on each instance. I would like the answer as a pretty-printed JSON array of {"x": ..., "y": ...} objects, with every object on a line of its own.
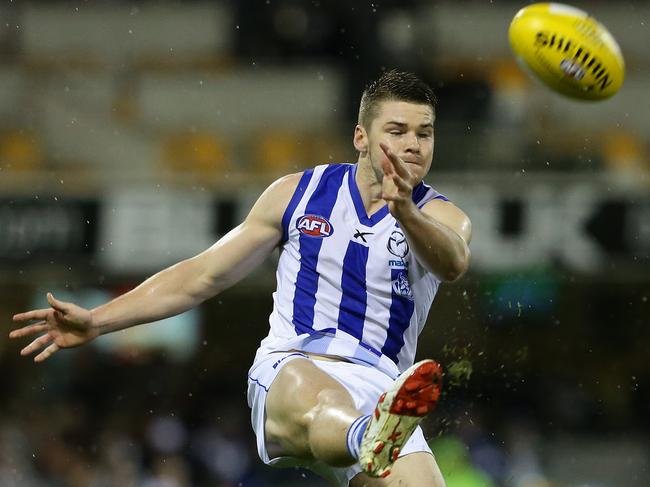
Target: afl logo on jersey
[{"x": 314, "y": 226}]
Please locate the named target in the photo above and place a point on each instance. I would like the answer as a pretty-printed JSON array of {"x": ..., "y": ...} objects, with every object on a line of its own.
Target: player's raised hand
[
  {"x": 398, "y": 182},
  {"x": 63, "y": 325}
]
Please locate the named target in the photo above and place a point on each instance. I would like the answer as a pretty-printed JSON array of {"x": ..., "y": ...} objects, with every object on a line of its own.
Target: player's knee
[
  {"x": 287, "y": 424},
  {"x": 308, "y": 413},
  {"x": 327, "y": 424},
  {"x": 290, "y": 408}
]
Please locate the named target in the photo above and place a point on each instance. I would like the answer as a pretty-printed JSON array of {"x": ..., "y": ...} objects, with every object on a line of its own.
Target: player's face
[{"x": 407, "y": 129}]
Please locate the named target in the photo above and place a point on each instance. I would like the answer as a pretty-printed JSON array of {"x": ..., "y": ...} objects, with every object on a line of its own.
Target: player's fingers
[
  {"x": 57, "y": 304},
  {"x": 387, "y": 166},
  {"x": 36, "y": 344},
  {"x": 396, "y": 162},
  {"x": 45, "y": 354},
  {"x": 29, "y": 330},
  {"x": 37, "y": 314},
  {"x": 389, "y": 154},
  {"x": 401, "y": 184}
]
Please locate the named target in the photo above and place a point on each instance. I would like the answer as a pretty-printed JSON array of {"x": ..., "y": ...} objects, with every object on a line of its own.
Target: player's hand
[
  {"x": 64, "y": 325},
  {"x": 397, "y": 184}
]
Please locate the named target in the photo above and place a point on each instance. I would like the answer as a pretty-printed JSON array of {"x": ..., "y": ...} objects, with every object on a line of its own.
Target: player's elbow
[{"x": 457, "y": 266}]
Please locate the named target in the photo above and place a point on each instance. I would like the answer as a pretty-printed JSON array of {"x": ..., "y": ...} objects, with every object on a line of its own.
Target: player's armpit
[{"x": 246, "y": 246}]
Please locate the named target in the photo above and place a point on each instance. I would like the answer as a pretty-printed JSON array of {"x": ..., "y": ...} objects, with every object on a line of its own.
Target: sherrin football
[{"x": 568, "y": 50}]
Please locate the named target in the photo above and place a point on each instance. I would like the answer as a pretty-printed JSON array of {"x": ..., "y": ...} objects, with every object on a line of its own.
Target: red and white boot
[{"x": 398, "y": 412}]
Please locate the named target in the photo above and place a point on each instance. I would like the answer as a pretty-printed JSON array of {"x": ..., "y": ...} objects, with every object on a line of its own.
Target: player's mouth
[{"x": 415, "y": 162}]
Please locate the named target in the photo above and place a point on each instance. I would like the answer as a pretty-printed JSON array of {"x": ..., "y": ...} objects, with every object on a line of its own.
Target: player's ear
[{"x": 360, "y": 139}]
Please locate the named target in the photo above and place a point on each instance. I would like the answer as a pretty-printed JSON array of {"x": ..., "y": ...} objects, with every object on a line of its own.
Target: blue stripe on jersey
[
  {"x": 320, "y": 203},
  {"x": 401, "y": 310},
  {"x": 295, "y": 199},
  {"x": 419, "y": 191},
  {"x": 370, "y": 349},
  {"x": 352, "y": 310}
]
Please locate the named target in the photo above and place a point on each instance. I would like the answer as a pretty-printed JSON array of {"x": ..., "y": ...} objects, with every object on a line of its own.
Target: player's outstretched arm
[{"x": 170, "y": 291}]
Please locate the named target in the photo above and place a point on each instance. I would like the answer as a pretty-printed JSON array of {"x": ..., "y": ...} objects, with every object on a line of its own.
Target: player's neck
[{"x": 369, "y": 186}]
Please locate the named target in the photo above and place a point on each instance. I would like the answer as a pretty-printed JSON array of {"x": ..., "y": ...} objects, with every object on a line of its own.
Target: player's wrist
[
  {"x": 95, "y": 325},
  {"x": 403, "y": 211}
]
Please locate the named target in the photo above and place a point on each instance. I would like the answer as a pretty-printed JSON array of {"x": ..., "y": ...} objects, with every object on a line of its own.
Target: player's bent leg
[
  {"x": 414, "y": 470},
  {"x": 308, "y": 414}
]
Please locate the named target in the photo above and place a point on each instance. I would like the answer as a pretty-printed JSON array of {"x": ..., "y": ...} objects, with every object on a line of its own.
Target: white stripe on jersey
[{"x": 347, "y": 284}]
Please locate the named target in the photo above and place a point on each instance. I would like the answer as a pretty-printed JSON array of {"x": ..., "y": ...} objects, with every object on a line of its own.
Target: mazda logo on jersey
[
  {"x": 314, "y": 226},
  {"x": 397, "y": 244}
]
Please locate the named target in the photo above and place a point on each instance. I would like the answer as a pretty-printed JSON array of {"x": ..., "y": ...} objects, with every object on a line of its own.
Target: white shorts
[{"x": 365, "y": 385}]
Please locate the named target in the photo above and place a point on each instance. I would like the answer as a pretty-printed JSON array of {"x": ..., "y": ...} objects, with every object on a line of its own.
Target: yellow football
[{"x": 568, "y": 50}]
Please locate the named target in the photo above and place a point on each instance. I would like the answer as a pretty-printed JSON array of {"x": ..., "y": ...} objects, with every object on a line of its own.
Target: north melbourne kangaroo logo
[
  {"x": 401, "y": 286},
  {"x": 314, "y": 226},
  {"x": 397, "y": 244}
]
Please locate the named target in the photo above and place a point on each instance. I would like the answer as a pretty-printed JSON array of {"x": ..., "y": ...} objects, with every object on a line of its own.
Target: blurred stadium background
[{"x": 134, "y": 134}]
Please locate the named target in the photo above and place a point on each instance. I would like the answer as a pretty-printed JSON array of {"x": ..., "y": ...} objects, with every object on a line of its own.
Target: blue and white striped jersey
[{"x": 348, "y": 284}]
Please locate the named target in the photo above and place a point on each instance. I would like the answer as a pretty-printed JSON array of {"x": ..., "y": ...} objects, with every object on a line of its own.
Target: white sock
[{"x": 355, "y": 435}]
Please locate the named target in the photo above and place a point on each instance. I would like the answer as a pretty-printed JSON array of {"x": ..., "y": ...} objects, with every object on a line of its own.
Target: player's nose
[{"x": 411, "y": 143}]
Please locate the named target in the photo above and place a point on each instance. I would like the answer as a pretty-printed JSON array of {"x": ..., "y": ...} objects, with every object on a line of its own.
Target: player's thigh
[
  {"x": 417, "y": 469},
  {"x": 295, "y": 394}
]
